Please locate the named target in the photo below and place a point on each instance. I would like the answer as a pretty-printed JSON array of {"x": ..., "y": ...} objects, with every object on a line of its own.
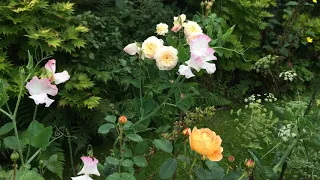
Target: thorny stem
[{"x": 120, "y": 144}]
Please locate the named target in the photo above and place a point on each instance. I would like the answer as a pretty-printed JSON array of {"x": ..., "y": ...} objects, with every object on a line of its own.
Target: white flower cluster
[
  {"x": 287, "y": 132},
  {"x": 269, "y": 97},
  {"x": 264, "y": 63},
  {"x": 288, "y": 75},
  {"x": 253, "y": 99}
]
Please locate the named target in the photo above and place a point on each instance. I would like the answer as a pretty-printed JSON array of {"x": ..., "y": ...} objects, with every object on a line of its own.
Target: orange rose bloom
[{"x": 207, "y": 143}]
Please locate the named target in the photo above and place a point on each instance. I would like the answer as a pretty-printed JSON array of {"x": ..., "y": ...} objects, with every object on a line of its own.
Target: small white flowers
[
  {"x": 288, "y": 75},
  {"x": 287, "y": 132},
  {"x": 162, "y": 29},
  {"x": 263, "y": 64},
  {"x": 268, "y": 97},
  {"x": 166, "y": 58},
  {"x": 89, "y": 167}
]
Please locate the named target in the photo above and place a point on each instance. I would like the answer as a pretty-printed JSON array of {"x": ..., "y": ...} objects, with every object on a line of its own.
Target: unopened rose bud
[
  {"x": 123, "y": 119},
  {"x": 202, "y": 4},
  {"x": 186, "y": 132},
  {"x": 250, "y": 163},
  {"x": 231, "y": 158}
]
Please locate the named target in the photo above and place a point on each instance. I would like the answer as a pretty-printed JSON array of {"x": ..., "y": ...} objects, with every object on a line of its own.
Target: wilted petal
[
  {"x": 185, "y": 71},
  {"x": 61, "y": 77},
  {"x": 131, "y": 49},
  {"x": 90, "y": 166},
  {"x": 84, "y": 177},
  {"x": 51, "y": 66}
]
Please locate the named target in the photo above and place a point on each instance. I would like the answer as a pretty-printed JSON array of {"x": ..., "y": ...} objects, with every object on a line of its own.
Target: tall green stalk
[{"x": 15, "y": 124}]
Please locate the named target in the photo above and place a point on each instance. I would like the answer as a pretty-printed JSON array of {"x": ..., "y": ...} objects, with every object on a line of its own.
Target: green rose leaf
[
  {"x": 127, "y": 163},
  {"x": 112, "y": 160},
  {"x": 140, "y": 161},
  {"x": 111, "y": 118},
  {"x": 105, "y": 128},
  {"x": 135, "y": 137},
  {"x": 168, "y": 168},
  {"x": 163, "y": 144}
]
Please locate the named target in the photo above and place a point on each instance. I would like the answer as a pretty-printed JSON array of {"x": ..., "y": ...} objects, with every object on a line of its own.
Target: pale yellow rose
[
  {"x": 191, "y": 27},
  {"x": 166, "y": 58},
  {"x": 162, "y": 29},
  {"x": 150, "y": 46},
  {"x": 207, "y": 143}
]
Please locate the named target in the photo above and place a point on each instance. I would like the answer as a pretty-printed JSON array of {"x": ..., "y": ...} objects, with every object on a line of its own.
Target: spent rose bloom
[
  {"x": 131, "y": 49},
  {"x": 39, "y": 90},
  {"x": 162, "y": 29},
  {"x": 56, "y": 77},
  {"x": 166, "y": 57},
  {"x": 207, "y": 143},
  {"x": 89, "y": 167},
  {"x": 191, "y": 27},
  {"x": 177, "y": 22},
  {"x": 150, "y": 46}
]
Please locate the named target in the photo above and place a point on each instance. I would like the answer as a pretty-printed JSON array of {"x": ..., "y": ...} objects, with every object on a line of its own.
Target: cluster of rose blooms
[
  {"x": 166, "y": 57},
  {"x": 39, "y": 89}
]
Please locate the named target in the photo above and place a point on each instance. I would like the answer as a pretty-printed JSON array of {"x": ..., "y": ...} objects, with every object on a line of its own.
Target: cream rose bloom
[
  {"x": 191, "y": 27},
  {"x": 207, "y": 143},
  {"x": 166, "y": 58},
  {"x": 150, "y": 46},
  {"x": 162, "y": 29}
]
